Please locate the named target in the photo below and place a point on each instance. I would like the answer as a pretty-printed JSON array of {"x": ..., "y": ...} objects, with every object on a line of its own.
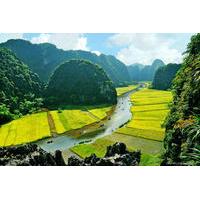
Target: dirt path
[{"x": 51, "y": 124}]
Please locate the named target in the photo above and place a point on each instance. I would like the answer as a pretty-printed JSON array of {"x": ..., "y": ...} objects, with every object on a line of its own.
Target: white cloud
[
  {"x": 144, "y": 48},
  {"x": 66, "y": 41},
  {"x": 98, "y": 53},
  {"x": 7, "y": 36}
]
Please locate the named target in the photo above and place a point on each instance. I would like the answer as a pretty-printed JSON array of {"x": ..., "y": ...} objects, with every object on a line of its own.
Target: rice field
[
  {"x": 150, "y": 149},
  {"x": 122, "y": 90},
  {"x": 26, "y": 129},
  {"x": 143, "y": 132},
  {"x": 150, "y": 107},
  {"x": 36, "y": 126}
]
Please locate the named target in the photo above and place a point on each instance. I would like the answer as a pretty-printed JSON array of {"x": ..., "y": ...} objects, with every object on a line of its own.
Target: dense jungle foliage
[
  {"x": 79, "y": 82},
  {"x": 20, "y": 89},
  {"x": 164, "y": 76},
  {"x": 182, "y": 140},
  {"x": 44, "y": 58}
]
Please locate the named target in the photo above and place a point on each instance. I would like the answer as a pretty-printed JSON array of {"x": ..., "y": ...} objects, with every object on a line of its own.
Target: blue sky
[{"x": 129, "y": 48}]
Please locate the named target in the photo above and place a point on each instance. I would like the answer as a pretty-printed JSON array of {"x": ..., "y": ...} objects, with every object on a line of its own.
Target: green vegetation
[
  {"x": 99, "y": 111},
  {"x": 164, "y": 76},
  {"x": 139, "y": 72},
  {"x": 79, "y": 82},
  {"x": 123, "y": 90},
  {"x": 37, "y": 126},
  {"x": 182, "y": 144},
  {"x": 133, "y": 143},
  {"x": 20, "y": 89},
  {"x": 143, "y": 132},
  {"x": 44, "y": 58}
]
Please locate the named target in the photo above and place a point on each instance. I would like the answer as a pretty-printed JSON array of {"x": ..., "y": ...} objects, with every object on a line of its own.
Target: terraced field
[
  {"x": 37, "y": 126},
  {"x": 143, "y": 132},
  {"x": 149, "y": 111},
  {"x": 122, "y": 90}
]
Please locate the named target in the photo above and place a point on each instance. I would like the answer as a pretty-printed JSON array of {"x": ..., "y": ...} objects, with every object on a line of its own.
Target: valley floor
[
  {"x": 123, "y": 90},
  {"x": 74, "y": 120},
  {"x": 37, "y": 126},
  {"x": 143, "y": 132}
]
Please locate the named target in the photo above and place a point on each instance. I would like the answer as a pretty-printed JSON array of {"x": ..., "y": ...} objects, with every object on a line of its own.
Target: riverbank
[
  {"x": 147, "y": 108},
  {"x": 116, "y": 118}
]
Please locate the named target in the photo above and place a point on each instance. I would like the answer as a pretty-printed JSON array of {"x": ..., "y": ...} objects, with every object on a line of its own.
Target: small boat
[{"x": 50, "y": 141}]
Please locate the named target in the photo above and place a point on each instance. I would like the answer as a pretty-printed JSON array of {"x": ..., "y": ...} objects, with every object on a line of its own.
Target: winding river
[{"x": 121, "y": 115}]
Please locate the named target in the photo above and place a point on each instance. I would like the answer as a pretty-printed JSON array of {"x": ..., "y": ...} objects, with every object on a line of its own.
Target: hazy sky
[{"x": 129, "y": 48}]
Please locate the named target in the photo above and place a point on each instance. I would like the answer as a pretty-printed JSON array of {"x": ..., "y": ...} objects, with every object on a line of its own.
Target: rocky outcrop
[
  {"x": 116, "y": 155},
  {"x": 29, "y": 155}
]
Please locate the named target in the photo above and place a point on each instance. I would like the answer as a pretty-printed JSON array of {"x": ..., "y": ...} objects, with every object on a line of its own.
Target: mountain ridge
[{"x": 45, "y": 57}]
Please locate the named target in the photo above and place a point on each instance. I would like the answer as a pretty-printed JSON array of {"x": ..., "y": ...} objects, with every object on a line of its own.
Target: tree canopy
[
  {"x": 44, "y": 58},
  {"x": 17, "y": 84},
  {"x": 182, "y": 141},
  {"x": 164, "y": 76},
  {"x": 79, "y": 82}
]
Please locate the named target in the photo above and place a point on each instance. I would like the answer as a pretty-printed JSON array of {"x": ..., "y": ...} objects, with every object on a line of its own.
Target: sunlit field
[
  {"x": 36, "y": 126},
  {"x": 144, "y": 131},
  {"x": 26, "y": 129},
  {"x": 122, "y": 90},
  {"x": 150, "y": 107}
]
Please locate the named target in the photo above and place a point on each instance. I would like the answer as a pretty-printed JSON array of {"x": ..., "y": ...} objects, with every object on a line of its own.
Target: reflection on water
[{"x": 120, "y": 116}]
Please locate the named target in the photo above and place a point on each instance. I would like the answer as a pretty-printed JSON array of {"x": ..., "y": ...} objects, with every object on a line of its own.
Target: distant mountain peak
[{"x": 158, "y": 62}]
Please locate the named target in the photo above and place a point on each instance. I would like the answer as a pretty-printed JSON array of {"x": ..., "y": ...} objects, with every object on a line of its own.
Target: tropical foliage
[
  {"x": 20, "y": 89},
  {"x": 182, "y": 124},
  {"x": 164, "y": 76},
  {"x": 44, "y": 58},
  {"x": 79, "y": 82}
]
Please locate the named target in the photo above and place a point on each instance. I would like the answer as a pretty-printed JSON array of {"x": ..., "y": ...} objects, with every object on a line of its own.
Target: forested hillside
[
  {"x": 182, "y": 140},
  {"x": 139, "y": 72},
  {"x": 80, "y": 82},
  {"x": 164, "y": 76},
  {"x": 44, "y": 58},
  {"x": 19, "y": 87}
]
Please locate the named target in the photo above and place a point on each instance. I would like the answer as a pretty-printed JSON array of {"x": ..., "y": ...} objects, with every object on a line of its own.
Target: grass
[
  {"x": 26, "y": 129},
  {"x": 150, "y": 160},
  {"x": 34, "y": 127},
  {"x": 133, "y": 143},
  {"x": 122, "y": 90}
]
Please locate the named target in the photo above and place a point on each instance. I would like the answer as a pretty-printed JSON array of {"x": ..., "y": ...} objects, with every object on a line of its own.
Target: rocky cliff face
[
  {"x": 116, "y": 155},
  {"x": 32, "y": 155},
  {"x": 29, "y": 155}
]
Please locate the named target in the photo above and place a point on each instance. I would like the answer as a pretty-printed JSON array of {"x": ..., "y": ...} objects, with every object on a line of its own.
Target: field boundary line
[{"x": 51, "y": 123}]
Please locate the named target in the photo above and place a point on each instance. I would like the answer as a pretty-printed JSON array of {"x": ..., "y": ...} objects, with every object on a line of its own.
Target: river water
[{"x": 121, "y": 115}]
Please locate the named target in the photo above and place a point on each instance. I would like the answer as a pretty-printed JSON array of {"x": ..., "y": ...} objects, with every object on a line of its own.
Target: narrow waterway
[{"x": 121, "y": 115}]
